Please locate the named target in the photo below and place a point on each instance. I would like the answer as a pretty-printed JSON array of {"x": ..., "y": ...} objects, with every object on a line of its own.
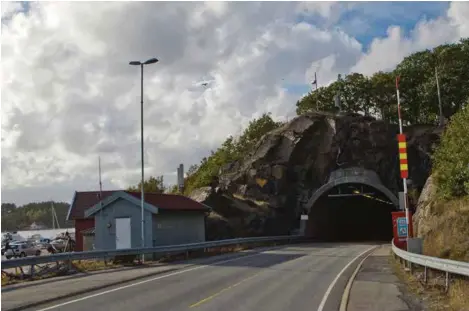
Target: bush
[
  {"x": 206, "y": 173},
  {"x": 452, "y": 158}
]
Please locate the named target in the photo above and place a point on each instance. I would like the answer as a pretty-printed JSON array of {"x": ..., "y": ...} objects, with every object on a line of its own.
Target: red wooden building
[{"x": 81, "y": 201}]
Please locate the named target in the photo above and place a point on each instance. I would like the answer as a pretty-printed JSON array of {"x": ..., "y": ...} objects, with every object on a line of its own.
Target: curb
[
  {"x": 346, "y": 295},
  {"x": 87, "y": 290}
]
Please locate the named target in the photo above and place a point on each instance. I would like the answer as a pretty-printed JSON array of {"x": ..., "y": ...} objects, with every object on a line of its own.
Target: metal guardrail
[
  {"x": 446, "y": 265},
  {"x": 102, "y": 254}
]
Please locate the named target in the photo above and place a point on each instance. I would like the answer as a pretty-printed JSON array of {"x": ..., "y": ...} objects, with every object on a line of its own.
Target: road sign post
[
  {"x": 403, "y": 160},
  {"x": 303, "y": 224},
  {"x": 400, "y": 228}
]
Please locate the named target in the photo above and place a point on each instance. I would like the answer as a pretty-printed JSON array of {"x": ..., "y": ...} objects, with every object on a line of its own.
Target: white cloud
[
  {"x": 69, "y": 94},
  {"x": 385, "y": 53},
  {"x": 8, "y": 8}
]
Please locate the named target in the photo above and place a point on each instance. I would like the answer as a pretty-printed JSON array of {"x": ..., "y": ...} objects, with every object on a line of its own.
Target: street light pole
[
  {"x": 441, "y": 118},
  {"x": 142, "y": 200},
  {"x": 142, "y": 182}
]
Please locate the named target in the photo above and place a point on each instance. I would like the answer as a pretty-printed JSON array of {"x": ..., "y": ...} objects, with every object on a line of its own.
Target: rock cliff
[
  {"x": 443, "y": 225},
  {"x": 264, "y": 192}
]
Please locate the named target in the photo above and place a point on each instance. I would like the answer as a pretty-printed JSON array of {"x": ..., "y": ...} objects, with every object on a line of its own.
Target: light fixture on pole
[{"x": 141, "y": 64}]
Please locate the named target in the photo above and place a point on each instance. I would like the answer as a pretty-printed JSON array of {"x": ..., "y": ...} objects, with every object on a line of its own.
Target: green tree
[
  {"x": 452, "y": 61},
  {"x": 384, "y": 97},
  {"x": 152, "y": 185},
  {"x": 356, "y": 94},
  {"x": 206, "y": 173},
  {"x": 324, "y": 97},
  {"x": 20, "y": 218},
  {"x": 192, "y": 169},
  {"x": 174, "y": 189},
  {"x": 251, "y": 135},
  {"x": 452, "y": 159},
  {"x": 418, "y": 92}
]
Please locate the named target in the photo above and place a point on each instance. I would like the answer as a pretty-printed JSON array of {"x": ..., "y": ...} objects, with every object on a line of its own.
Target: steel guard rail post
[
  {"x": 100, "y": 254},
  {"x": 446, "y": 265}
]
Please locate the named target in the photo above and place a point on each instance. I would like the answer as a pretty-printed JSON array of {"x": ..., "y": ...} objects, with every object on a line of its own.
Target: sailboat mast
[
  {"x": 100, "y": 183},
  {"x": 52, "y": 214}
]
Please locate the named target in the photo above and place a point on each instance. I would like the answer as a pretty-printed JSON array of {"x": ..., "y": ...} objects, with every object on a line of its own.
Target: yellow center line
[{"x": 221, "y": 291}]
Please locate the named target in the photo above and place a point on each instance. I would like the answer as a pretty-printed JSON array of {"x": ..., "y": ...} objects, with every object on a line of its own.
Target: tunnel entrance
[{"x": 351, "y": 212}]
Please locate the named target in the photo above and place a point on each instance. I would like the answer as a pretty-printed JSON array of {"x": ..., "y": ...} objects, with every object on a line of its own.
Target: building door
[{"x": 123, "y": 233}]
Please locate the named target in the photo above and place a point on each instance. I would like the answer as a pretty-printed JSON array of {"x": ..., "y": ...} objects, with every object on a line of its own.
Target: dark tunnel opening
[{"x": 351, "y": 213}]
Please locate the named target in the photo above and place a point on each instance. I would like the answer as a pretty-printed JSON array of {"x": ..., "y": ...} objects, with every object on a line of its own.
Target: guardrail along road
[{"x": 289, "y": 277}]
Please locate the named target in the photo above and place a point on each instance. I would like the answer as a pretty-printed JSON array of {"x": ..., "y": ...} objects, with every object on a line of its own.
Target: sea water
[{"x": 46, "y": 234}]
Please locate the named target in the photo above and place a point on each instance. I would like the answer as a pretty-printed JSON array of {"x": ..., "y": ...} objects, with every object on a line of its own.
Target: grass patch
[
  {"x": 5, "y": 280},
  {"x": 94, "y": 265},
  {"x": 433, "y": 292},
  {"x": 448, "y": 237}
]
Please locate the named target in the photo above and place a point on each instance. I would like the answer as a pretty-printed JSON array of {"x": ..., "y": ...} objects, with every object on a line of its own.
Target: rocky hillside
[
  {"x": 442, "y": 216},
  {"x": 443, "y": 225},
  {"x": 297, "y": 158}
]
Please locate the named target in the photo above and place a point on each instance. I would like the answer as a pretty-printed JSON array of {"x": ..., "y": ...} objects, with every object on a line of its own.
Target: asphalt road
[{"x": 296, "y": 277}]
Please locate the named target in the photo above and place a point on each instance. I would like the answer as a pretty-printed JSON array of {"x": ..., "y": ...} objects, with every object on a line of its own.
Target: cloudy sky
[{"x": 68, "y": 94}]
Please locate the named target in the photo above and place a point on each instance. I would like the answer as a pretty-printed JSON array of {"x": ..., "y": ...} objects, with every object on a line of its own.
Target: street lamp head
[
  {"x": 135, "y": 63},
  {"x": 151, "y": 61}
]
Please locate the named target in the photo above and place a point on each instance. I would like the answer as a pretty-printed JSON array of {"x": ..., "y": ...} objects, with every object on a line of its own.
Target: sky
[{"x": 69, "y": 96}]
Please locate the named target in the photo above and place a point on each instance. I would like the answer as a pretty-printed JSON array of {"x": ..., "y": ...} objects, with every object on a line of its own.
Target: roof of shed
[
  {"x": 171, "y": 201},
  {"x": 86, "y": 199}
]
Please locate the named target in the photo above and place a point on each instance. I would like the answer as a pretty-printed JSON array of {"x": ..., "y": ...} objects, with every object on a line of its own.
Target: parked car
[
  {"x": 5, "y": 244},
  {"x": 42, "y": 243},
  {"x": 21, "y": 249}
]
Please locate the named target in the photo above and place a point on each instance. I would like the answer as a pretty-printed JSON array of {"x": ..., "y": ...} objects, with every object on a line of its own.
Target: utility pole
[{"x": 442, "y": 119}]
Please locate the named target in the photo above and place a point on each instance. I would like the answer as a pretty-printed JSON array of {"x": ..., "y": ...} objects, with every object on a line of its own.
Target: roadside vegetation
[
  {"x": 433, "y": 293},
  {"x": 449, "y": 222}
]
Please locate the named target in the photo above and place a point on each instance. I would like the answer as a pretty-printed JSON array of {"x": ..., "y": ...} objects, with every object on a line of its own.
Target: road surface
[{"x": 295, "y": 277}]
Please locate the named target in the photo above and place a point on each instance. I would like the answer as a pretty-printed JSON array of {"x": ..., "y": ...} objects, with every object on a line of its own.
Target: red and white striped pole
[{"x": 403, "y": 158}]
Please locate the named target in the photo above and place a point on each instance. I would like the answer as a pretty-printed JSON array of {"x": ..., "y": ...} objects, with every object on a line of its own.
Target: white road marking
[
  {"x": 331, "y": 286},
  {"x": 154, "y": 279},
  {"x": 348, "y": 287}
]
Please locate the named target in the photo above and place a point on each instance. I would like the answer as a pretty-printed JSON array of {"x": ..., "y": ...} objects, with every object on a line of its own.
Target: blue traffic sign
[{"x": 401, "y": 227}]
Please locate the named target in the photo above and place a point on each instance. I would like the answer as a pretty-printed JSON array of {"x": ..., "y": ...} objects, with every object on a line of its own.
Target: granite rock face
[
  {"x": 289, "y": 163},
  {"x": 425, "y": 209}
]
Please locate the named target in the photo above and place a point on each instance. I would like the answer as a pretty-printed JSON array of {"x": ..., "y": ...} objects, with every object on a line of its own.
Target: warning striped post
[{"x": 403, "y": 156}]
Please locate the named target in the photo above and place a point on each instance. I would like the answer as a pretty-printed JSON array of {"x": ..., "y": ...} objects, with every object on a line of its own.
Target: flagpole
[
  {"x": 316, "y": 83},
  {"x": 404, "y": 179},
  {"x": 100, "y": 193}
]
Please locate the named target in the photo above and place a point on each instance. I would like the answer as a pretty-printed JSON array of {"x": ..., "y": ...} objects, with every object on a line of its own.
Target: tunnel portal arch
[{"x": 353, "y": 175}]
